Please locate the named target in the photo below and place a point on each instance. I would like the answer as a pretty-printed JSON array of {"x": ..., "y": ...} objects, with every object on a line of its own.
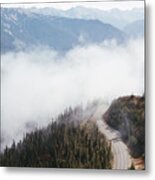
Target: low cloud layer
[{"x": 39, "y": 84}]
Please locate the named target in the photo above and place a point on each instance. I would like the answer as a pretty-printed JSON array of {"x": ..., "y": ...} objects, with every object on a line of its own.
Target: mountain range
[
  {"x": 116, "y": 17},
  {"x": 23, "y": 28}
]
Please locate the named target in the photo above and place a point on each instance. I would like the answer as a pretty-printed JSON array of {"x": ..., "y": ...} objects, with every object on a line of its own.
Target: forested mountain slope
[
  {"x": 127, "y": 115},
  {"x": 65, "y": 143}
]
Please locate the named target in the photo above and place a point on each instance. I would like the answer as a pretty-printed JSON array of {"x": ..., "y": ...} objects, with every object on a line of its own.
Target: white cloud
[{"x": 39, "y": 84}]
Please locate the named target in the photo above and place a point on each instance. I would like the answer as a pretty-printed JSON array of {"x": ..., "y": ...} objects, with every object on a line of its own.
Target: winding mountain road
[{"x": 121, "y": 157}]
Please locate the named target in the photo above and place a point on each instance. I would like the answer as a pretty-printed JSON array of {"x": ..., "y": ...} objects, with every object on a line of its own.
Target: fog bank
[{"x": 39, "y": 84}]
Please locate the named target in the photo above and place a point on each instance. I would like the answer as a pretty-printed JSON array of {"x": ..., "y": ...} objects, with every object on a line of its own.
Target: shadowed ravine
[{"x": 121, "y": 156}]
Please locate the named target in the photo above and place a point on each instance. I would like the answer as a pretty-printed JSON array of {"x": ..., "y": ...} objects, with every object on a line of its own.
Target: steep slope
[
  {"x": 121, "y": 156},
  {"x": 126, "y": 114},
  {"x": 21, "y": 30},
  {"x": 65, "y": 143}
]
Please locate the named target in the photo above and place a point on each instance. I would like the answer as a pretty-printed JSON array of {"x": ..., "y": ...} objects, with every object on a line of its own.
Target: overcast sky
[{"x": 124, "y": 5}]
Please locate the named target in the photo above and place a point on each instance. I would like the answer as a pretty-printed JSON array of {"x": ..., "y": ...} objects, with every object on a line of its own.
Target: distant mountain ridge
[
  {"x": 135, "y": 29},
  {"x": 116, "y": 17},
  {"x": 22, "y": 29}
]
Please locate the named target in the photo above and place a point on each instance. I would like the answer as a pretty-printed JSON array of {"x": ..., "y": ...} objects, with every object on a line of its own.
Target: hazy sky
[{"x": 124, "y": 5}]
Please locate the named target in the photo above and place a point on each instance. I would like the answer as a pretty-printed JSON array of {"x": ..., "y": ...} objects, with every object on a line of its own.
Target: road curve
[{"x": 121, "y": 157}]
